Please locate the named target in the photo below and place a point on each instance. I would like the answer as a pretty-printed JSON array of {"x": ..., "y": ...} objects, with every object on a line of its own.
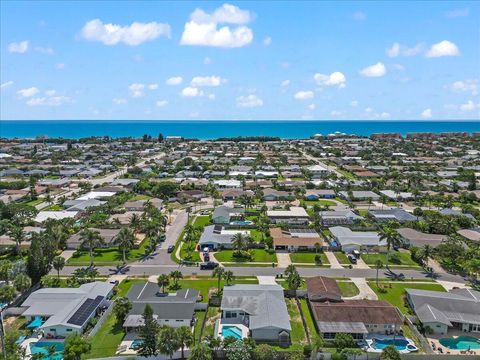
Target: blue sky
[{"x": 240, "y": 60}]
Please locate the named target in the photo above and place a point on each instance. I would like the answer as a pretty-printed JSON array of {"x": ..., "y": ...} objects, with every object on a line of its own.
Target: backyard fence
[{"x": 102, "y": 319}]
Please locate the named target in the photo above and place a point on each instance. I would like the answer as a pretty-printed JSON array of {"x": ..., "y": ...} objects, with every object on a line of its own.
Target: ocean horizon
[{"x": 212, "y": 129}]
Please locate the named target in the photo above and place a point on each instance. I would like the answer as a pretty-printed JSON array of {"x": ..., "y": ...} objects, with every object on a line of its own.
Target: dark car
[
  {"x": 352, "y": 258},
  {"x": 170, "y": 249},
  {"x": 162, "y": 237},
  {"x": 208, "y": 265}
]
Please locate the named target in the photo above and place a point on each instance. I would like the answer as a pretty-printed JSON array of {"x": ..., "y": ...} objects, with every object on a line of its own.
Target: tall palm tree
[
  {"x": 163, "y": 281},
  {"x": 228, "y": 276},
  {"x": 185, "y": 338},
  {"x": 125, "y": 241},
  {"x": 391, "y": 236},
  {"x": 425, "y": 253},
  {"x": 18, "y": 235},
  {"x": 218, "y": 272},
  {"x": 91, "y": 239},
  {"x": 135, "y": 222},
  {"x": 239, "y": 242},
  {"x": 58, "y": 263},
  {"x": 176, "y": 275},
  {"x": 378, "y": 266}
]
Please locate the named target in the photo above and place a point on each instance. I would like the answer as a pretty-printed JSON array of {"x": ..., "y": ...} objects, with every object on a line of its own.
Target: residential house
[
  {"x": 316, "y": 194},
  {"x": 412, "y": 237},
  {"x": 294, "y": 215},
  {"x": 318, "y": 171},
  {"x": 217, "y": 237},
  {"x": 261, "y": 308},
  {"x": 339, "y": 217},
  {"x": 64, "y": 311},
  {"x": 296, "y": 239},
  {"x": 360, "y": 195},
  {"x": 350, "y": 240},
  {"x": 169, "y": 309},
  {"x": 396, "y": 214},
  {"x": 458, "y": 309},
  {"x": 224, "y": 214},
  {"x": 275, "y": 195},
  {"x": 108, "y": 236}
]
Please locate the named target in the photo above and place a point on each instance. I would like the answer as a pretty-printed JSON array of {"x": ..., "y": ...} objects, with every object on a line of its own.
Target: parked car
[
  {"x": 162, "y": 237},
  {"x": 210, "y": 265},
  {"x": 170, "y": 249},
  {"x": 352, "y": 258}
]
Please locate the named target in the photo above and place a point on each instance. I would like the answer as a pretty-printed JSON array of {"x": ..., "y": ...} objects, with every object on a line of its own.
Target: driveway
[
  {"x": 266, "y": 280},
  {"x": 332, "y": 259},
  {"x": 283, "y": 259},
  {"x": 366, "y": 291},
  {"x": 361, "y": 264}
]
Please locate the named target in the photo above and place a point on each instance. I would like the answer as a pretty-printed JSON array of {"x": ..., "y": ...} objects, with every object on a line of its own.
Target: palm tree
[
  {"x": 185, "y": 338},
  {"x": 163, "y": 281},
  {"x": 218, "y": 273},
  {"x": 228, "y": 276},
  {"x": 170, "y": 212},
  {"x": 18, "y": 235},
  {"x": 378, "y": 266},
  {"x": 135, "y": 223},
  {"x": 239, "y": 242},
  {"x": 91, "y": 239},
  {"x": 125, "y": 241},
  {"x": 58, "y": 263},
  {"x": 425, "y": 253},
  {"x": 188, "y": 210},
  {"x": 176, "y": 275},
  {"x": 22, "y": 282},
  {"x": 391, "y": 236}
]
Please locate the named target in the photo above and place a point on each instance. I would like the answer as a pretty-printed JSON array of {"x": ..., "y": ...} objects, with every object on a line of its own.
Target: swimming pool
[
  {"x": 42, "y": 347},
  {"x": 461, "y": 343},
  {"x": 242, "y": 222},
  {"x": 401, "y": 343},
  {"x": 231, "y": 331},
  {"x": 136, "y": 344}
]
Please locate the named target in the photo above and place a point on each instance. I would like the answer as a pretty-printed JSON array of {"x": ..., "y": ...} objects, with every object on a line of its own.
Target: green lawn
[
  {"x": 297, "y": 334},
  {"x": 404, "y": 256},
  {"x": 321, "y": 202},
  {"x": 308, "y": 318},
  {"x": 341, "y": 257},
  {"x": 201, "y": 221},
  {"x": 200, "y": 315},
  {"x": 395, "y": 292},
  {"x": 107, "y": 256},
  {"x": 308, "y": 257},
  {"x": 141, "y": 197},
  {"x": 259, "y": 255},
  {"x": 53, "y": 207},
  {"x": 194, "y": 255},
  {"x": 348, "y": 288},
  {"x": 34, "y": 202},
  {"x": 213, "y": 314}
]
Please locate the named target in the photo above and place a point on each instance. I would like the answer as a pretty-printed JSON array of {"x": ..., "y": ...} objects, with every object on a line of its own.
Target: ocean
[{"x": 200, "y": 129}]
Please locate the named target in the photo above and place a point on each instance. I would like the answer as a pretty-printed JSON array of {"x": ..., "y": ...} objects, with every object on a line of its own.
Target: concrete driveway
[{"x": 366, "y": 291}]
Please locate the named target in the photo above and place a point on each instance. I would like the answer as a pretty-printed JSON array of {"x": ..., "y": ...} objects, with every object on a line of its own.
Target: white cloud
[
  {"x": 285, "y": 83},
  {"x": 335, "y": 113},
  {"x": 153, "y": 86},
  {"x": 385, "y": 115},
  {"x": 354, "y": 103},
  {"x": 28, "y": 92},
  {"x": 176, "y": 80},
  {"x": 207, "y": 61},
  {"x": 312, "y": 106},
  {"x": 469, "y": 85},
  {"x": 398, "y": 67},
  {"x": 457, "y": 13},
  {"x": 199, "y": 81},
  {"x": 18, "y": 47},
  {"x": 6, "y": 84},
  {"x": 161, "y": 103},
  {"x": 60, "y": 66},
  {"x": 402, "y": 50},
  {"x": 443, "y": 48},
  {"x": 191, "y": 92},
  {"x": 426, "y": 114},
  {"x": 469, "y": 106},
  {"x": 133, "y": 35},
  {"x": 249, "y": 101},
  {"x": 212, "y": 96},
  {"x": 48, "y": 101},
  {"x": 194, "y": 114},
  {"x": 368, "y": 110},
  {"x": 267, "y": 41},
  {"x": 360, "y": 16},
  {"x": 304, "y": 95},
  {"x": 376, "y": 70},
  {"x": 136, "y": 90},
  {"x": 50, "y": 92},
  {"x": 44, "y": 50},
  {"x": 203, "y": 29},
  {"x": 119, "y": 101},
  {"x": 335, "y": 78}
]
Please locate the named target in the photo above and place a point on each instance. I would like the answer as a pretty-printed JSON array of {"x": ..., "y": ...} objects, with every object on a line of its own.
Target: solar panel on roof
[{"x": 85, "y": 311}]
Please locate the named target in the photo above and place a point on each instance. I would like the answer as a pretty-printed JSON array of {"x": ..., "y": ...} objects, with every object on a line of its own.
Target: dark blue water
[{"x": 215, "y": 129}]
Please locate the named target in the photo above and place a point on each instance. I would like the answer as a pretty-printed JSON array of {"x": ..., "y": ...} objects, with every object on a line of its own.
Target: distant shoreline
[{"x": 213, "y": 129}]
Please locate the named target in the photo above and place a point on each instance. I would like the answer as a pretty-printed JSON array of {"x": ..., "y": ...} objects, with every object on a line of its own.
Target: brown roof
[
  {"x": 321, "y": 286},
  {"x": 365, "y": 311},
  {"x": 366, "y": 174},
  {"x": 282, "y": 238}
]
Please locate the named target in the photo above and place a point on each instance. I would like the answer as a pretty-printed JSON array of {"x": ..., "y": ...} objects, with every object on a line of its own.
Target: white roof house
[
  {"x": 96, "y": 195},
  {"x": 56, "y": 215},
  {"x": 356, "y": 240}
]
